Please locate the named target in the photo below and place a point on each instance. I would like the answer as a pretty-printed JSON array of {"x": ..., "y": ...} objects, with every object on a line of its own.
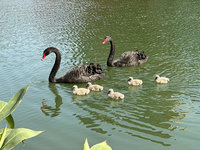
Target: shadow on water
[{"x": 52, "y": 111}]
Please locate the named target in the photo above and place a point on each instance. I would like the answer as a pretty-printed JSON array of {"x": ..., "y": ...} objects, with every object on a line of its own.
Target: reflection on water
[
  {"x": 80, "y": 98},
  {"x": 152, "y": 121},
  {"x": 50, "y": 110},
  {"x": 151, "y": 117},
  {"x": 135, "y": 88},
  {"x": 152, "y": 113}
]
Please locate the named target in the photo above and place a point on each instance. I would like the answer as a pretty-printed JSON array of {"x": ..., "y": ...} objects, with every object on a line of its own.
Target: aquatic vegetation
[
  {"x": 99, "y": 146},
  {"x": 10, "y": 137}
]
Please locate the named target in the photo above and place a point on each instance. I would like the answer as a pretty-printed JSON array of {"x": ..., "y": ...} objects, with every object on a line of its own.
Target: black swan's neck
[
  {"x": 111, "y": 55},
  {"x": 56, "y": 66}
]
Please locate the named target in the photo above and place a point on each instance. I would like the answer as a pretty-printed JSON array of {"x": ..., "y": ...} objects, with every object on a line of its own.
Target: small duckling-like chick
[
  {"x": 115, "y": 95},
  {"x": 94, "y": 87},
  {"x": 161, "y": 79},
  {"x": 132, "y": 81},
  {"x": 80, "y": 91}
]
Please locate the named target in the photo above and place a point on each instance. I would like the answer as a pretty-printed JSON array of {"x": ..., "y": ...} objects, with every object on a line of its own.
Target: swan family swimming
[{"x": 90, "y": 72}]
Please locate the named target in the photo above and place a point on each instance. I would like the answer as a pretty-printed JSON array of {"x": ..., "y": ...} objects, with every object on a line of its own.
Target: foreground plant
[
  {"x": 99, "y": 146},
  {"x": 10, "y": 137}
]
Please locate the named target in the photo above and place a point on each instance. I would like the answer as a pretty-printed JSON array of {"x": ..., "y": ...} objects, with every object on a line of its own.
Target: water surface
[{"x": 152, "y": 116}]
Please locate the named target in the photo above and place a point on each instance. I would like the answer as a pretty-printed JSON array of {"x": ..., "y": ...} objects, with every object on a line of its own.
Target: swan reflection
[
  {"x": 148, "y": 118},
  {"x": 50, "y": 110}
]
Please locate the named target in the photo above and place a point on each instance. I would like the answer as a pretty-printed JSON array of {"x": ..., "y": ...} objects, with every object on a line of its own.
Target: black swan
[
  {"x": 130, "y": 58},
  {"x": 79, "y": 74}
]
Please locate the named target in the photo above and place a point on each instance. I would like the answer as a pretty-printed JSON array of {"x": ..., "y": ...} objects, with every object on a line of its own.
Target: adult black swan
[
  {"x": 79, "y": 74},
  {"x": 130, "y": 58}
]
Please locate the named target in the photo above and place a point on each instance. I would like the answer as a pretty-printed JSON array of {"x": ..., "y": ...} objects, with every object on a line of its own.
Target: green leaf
[
  {"x": 2, "y": 105},
  {"x": 10, "y": 121},
  {"x": 2, "y": 136},
  {"x": 86, "y": 145},
  {"x": 7, "y": 109},
  {"x": 15, "y": 136},
  {"x": 101, "y": 146}
]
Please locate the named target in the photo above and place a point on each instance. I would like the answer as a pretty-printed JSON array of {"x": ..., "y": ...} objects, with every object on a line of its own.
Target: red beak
[
  {"x": 43, "y": 56},
  {"x": 104, "y": 42}
]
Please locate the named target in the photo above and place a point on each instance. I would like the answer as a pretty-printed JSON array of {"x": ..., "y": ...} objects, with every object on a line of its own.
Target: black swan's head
[
  {"x": 48, "y": 51},
  {"x": 107, "y": 39}
]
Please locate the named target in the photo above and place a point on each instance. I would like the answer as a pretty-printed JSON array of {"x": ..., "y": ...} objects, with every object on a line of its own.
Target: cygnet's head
[
  {"x": 157, "y": 76},
  {"x": 74, "y": 87},
  {"x": 88, "y": 84},
  {"x": 110, "y": 91},
  {"x": 130, "y": 78}
]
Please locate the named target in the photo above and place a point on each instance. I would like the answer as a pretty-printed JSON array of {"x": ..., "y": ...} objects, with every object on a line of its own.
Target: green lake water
[{"x": 151, "y": 117}]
